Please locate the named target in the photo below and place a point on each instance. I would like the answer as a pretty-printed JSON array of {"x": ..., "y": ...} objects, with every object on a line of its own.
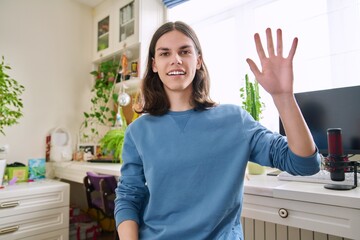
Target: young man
[{"x": 184, "y": 160}]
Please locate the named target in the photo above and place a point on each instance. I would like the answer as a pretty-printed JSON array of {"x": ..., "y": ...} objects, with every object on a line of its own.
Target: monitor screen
[{"x": 332, "y": 108}]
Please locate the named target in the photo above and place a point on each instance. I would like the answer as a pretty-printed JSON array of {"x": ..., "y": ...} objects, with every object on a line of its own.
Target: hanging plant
[
  {"x": 102, "y": 113},
  {"x": 11, "y": 104}
]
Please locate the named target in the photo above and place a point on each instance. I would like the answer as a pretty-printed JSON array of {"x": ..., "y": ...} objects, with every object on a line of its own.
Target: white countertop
[
  {"x": 270, "y": 186},
  {"x": 261, "y": 185}
]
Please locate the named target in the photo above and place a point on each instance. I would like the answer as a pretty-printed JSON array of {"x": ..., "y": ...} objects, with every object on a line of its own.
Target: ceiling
[{"x": 90, "y": 3}]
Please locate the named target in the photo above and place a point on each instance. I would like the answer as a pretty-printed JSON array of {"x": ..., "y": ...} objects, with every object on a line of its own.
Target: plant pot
[{"x": 255, "y": 169}]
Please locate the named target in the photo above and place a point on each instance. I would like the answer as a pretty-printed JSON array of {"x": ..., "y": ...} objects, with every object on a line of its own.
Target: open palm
[{"x": 276, "y": 76}]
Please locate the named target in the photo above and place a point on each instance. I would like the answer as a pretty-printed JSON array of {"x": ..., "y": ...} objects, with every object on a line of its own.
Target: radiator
[{"x": 260, "y": 230}]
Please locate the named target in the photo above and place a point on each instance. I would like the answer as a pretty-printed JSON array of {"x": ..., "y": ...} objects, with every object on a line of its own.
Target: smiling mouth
[{"x": 176, "y": 73}]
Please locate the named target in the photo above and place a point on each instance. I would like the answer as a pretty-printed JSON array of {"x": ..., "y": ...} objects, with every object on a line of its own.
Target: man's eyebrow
[
  {"x": 185, "y": 46},
  {"x": 162, "y": 49},
  {"x": 167, "y": 49}
]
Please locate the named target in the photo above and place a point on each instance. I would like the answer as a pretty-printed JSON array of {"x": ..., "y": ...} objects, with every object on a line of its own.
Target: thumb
[{"x": 253, "y": 67}]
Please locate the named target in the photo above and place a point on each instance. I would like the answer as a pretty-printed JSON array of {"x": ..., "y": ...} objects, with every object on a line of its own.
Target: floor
[
  {"x": 87, "y": 231},
  {"x": 87, "y": 219},
  {"x": 103, "y": 236},
  {"x": 106, "y": 236}
]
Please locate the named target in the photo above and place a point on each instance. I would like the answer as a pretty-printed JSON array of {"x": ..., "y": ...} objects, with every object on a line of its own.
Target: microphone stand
[{"x": 339, "y": 163}]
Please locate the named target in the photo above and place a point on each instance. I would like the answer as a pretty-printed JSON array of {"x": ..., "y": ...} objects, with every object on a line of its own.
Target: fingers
[
  {"x": 293, "y": 49},
  {"x": 279, "y": 48},
  {"x": 270, "y": 44},
  {"x": 259, "y": 47}
]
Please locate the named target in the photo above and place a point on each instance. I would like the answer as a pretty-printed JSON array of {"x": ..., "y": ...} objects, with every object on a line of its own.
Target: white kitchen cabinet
[
  {"x": 125, "y": 23},
  {"x": 35, "y": 210},
  {"x": 103, "y": 30},
  {"x": 306, "y": 208},
  {"x": 103, "y": 23},
  {"x": 335, "y": 220}
]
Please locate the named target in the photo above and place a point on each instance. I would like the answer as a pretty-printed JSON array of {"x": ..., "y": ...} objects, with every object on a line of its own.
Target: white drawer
[
  {"x": 30, "y": 197},
  {"x": 334, "y": 220},
  {"x": 62, "y": 234},
  {"x": 36, "y": 223}
]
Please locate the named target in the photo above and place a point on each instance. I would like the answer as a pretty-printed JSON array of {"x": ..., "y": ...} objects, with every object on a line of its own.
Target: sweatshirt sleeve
[
  {"x": 271, "y": 149},
  {"x": 131, "y": 191}
]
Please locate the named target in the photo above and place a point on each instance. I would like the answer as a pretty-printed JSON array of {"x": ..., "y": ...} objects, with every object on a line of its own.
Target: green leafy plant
[
  {"x": 113, "y": 140},
  {"x": 11, "y": 104},
  {"x": 251, "y": 100},
  {"x": 101, "y": 111}
]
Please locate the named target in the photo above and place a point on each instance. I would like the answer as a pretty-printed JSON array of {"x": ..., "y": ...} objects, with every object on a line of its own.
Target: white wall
[{"x": 48, "y": 44}]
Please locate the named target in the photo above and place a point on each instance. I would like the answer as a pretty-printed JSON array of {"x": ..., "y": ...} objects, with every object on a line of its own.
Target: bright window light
[{"x": 328, "y": 53}]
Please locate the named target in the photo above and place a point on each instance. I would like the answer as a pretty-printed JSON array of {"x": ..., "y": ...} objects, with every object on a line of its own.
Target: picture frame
[{"x": 89, "y": 151}]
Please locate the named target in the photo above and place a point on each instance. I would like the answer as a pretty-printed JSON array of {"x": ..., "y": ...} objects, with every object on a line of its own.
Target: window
[{"x": 328, "y": 53}]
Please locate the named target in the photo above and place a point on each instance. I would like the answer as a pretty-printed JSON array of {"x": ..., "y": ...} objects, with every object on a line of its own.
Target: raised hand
[{"x": 276, "y": 75}]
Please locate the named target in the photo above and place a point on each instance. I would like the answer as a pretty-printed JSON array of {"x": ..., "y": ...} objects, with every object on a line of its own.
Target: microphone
[
  {"x": 335, "y": 150},
  {"x": 337, "y": 163}
]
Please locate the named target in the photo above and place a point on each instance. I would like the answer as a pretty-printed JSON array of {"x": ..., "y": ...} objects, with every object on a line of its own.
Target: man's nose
[{"x": 176, "y": 59}]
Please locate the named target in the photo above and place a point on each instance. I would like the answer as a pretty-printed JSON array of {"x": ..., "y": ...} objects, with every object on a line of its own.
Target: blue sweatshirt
[{"x": 182, "y": 173}]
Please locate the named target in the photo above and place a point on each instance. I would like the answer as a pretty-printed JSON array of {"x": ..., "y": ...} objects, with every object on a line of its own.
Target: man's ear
[
  {"x": 199, "y": 62},
  {"x": 154, "y": 68}
]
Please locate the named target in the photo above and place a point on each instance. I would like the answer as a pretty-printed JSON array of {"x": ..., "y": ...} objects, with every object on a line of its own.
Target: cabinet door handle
[
  {"x": 9, "y": 204},
  {"x": 283, "y": 213},
  {"x": 8, "y": 229}
]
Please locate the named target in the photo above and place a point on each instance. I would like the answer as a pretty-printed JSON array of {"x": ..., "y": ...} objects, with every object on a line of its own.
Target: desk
[
  {"x": 309, "y": 205},
  {"x": 76, "y": 171}
]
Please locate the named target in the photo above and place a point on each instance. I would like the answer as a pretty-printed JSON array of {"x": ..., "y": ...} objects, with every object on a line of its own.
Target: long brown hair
[{"x": 153, "y": 99}]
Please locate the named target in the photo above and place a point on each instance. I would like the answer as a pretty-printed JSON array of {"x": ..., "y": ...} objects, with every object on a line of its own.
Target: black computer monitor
[{"x": 332, "y": 108}]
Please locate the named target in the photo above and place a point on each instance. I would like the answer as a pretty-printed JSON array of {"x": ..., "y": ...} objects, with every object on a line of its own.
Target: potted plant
[
  {"x": 113, "y": 140},
  {"x": 11, "y": 104},
  {"x": 251, "y": 102}
]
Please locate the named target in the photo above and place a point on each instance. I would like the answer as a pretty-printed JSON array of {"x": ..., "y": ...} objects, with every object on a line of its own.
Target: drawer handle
[
  {"x": 283, "y": 213},
  {"x": 9, "y": 204},
  {"x": 9, "y": 229}
]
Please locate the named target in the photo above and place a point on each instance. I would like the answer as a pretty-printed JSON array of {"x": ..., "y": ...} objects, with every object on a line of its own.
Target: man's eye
[
  {"x": 185, "y": 52},
  {"x": 164, "y": 54}
]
